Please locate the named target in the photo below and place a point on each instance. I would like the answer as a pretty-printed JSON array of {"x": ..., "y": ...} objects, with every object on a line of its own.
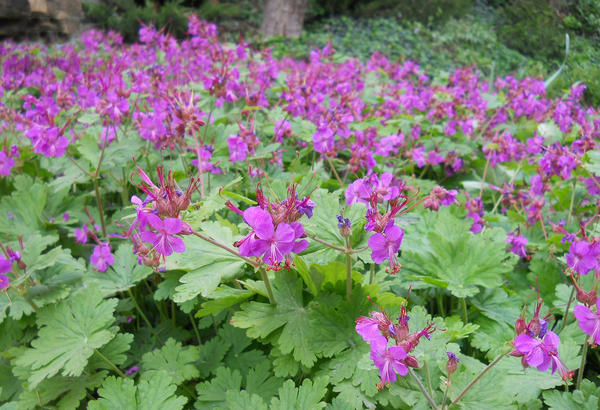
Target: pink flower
[
  {"x": 385, "y": 246},
  {"x": 81, "y": 235},
  {"x": 519, "y": 244},
  {"x": 264, "y": 239},
  {"x": 101, "y": 257},
  {"x": 388, "y": 361},
  {"x": 358, "y": 191},
  {"x": 4, "y": 281},
  {"x": 369, "y": 328},
  {"x": 589, "y": 321},
  {"x": 5, "y": 264},
  {"x": 6, "y": 164},
  {"x": 542, "y": 354},
  {"x": 583, "y": 257},
  {"x": 164, "y": 240}
]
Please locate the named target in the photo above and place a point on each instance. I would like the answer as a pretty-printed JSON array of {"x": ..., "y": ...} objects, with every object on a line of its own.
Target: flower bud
[
  {"x": 587, "y": 298},
  {"x": 344, "y": 226},
  {"x": 452, "y": 363},
  {"x": 411, "y": 361},
  {"x": 520, "y": 325},
  {"x": 535, "y": 325}
]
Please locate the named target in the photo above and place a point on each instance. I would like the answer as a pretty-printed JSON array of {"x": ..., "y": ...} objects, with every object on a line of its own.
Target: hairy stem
[
  {"x": 566, "y": 315},
  {"x": 582, "y": 365},
  {"x": 348, "y": 270},
  {"x": 572, "y": 201},
  {"x": 225, "y": 247},
  {"x": 265, "y": 279},
  {"x": 329, "y": 245},
  {"x": 144, "y": 318},
  {"x": 446, "y": 392},
  {"x": 193, "y": 320},
  {"x": 111, "y": 364},
  {"x": 420, "y": 384},
  {"x": 334, "y": 171},
  {"x": 485, "y": 170},
  {"x": 476, "y": 379}
]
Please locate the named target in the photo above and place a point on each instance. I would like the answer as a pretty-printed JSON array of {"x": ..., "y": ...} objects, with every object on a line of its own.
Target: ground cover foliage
[{"x": 191, "y": 224}]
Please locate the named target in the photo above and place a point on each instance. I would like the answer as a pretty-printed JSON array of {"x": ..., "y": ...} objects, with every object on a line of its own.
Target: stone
[{"x": 35, "y": 19}]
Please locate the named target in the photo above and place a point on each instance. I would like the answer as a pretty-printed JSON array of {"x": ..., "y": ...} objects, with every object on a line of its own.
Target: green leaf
[
  {"x": 66, "y": 392},
  {"x": 206, "y": 279},
  {"x": 492, "y": 336},
  {"x": 124, "y": 274},
  {"x": 223, "y": 298},
  {"x": 587, "y": 398},
  {"x": 443, "y": 248},
  {"x": 260, "y": 381},
  {"x": 115, "y": 351},
  {"x": 306, "y": 397},
  {"x": 204, "y": 274},
  {"x": 261, "y": 319},
  {"x": 499, "y": 306},
  {"x": 176, "y": 360},
  {"x": 212, "y": 353},
  {"x": 156, "y": 393},
  {"x": 243, "y": 401},
  {"x": 26, "y": 205},
  {"x": 212, "y": 393},
  {"x": 69, "y": 333}
]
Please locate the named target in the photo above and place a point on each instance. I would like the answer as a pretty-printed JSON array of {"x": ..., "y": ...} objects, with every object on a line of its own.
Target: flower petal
[{"x": 172, "y": 226}]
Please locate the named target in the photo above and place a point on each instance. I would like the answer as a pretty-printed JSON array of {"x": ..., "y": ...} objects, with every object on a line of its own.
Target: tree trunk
[{"x": 283, "y": 18}]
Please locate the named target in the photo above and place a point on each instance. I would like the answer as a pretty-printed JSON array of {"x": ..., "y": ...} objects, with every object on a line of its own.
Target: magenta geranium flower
[
  {"x": 102, "y": 258},
  {"x": 164, "y": 240},
  {"x": 81, "y": 235},
  {"x": 369, "y": 328},
  {"x": 542, "y": 353},
  {"x": 5, "y": 264},
  {"x": 386, "y": 245},
  {"x": 519, "y": 244},
  {"x": 388, "y": 361},
  {"x": 583, "y": 256},
  {"x": 265, "y": 240},
  {"x": 4, "y": 281},
  {"x": 6, "y": 164},
  {"x": 589, "y": 321}
]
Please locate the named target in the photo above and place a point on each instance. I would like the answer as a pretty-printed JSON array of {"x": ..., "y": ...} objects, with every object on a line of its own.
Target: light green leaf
[
  {"x": 212, "y": 393},
  {"x": 449, "y": 252},
  {"x": 307, "y": 397},
  {"x": 222, "y": 298},
  {"x": 242, "y": 401},
  {"x": 69, "y": 333},
  {"x": 124, "y": 274},
  {"x": 176, "y": 360},
  {"x": 157, "y": 393}
]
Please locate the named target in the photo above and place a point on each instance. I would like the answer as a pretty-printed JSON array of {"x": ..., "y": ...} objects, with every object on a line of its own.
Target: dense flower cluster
[
  {"x": 275, "y": 231},
  {"x": 158, "y": 220},
  {"x": 378, "y": 330},
  {"x": 538, "y": 346}
]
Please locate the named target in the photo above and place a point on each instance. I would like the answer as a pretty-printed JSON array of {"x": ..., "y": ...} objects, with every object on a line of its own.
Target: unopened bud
[
  {"x": 452, "y": 363},
  {"x": 411, "y": 361},
  {"x": 520, "y": 325},
  {"x": 344, "y": 225},
  {"x": 587, "y": 298},
  {"x": 535, "y": 326}
]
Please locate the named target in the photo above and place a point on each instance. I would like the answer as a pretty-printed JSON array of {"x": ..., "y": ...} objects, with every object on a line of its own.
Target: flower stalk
[
  {"x": 423, "y": 390},
  {"x": 582, "y": 364},
  {"x": 477, "y": 378}
]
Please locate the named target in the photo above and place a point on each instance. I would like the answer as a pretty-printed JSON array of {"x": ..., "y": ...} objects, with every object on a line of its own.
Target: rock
[{"x": 36, "y": 19}]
